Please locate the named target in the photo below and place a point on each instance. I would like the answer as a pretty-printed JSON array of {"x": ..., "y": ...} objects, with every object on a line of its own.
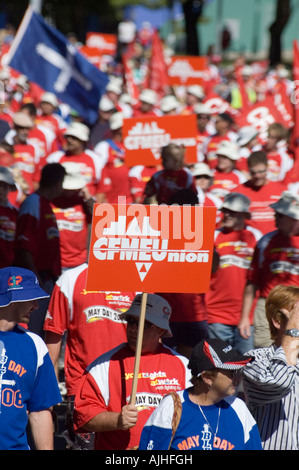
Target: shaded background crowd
[{"x": 54, "y": 167}]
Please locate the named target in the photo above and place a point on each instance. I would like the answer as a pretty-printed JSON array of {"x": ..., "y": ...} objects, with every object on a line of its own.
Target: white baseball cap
[
  {"x": 105, "y": 104},
  {"x": 202, "y": 169},
  {"x": 157, "y": 312},
  {"x": 196, "y": 90},
  {"x": 246, "y": 134},
  {"x": 49, "y": 98},
  {"x": 228, "y": 149},
  {"x": 168, "y": 103},
  {"x": 22, "y": 119},
  {"x": 116, "y": 121},
  {"x": 148, "y": 96},
  {"x": 78, "y": 130},
  {"x": 201, "y": 108},
  {"x": 73, "y": 178}
]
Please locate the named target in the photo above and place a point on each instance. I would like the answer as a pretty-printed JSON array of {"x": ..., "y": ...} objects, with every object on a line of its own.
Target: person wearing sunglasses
[
  {"x": 103, "y": 401},
  {"x": 212, "y": 417}
]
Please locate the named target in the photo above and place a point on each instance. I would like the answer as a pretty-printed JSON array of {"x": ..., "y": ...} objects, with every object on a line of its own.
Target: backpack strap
[{"x": 177, "y": 413}]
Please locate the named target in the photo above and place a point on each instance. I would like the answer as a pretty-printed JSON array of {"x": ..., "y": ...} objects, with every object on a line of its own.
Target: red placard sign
[
  {"x": 155, "y": 248},
  {"x": 105, "y": 43},
  {"x": 187, "y": 70},
  {"x": 144, "y": 137}
]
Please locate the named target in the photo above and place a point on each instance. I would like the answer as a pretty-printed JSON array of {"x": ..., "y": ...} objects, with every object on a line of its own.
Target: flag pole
[{"x": 138, "y": 347}]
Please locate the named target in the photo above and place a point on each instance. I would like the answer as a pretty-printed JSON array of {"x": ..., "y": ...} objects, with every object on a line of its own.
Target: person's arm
[
  {"x": 248, "y": 298},
  {"x": 41, "y": 425},
  {"x": 53, "y": 342},
  {"x": 111, "y": 421}
]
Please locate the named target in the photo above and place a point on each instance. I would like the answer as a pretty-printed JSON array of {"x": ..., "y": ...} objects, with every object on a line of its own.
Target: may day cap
[
  {"x": 288, "y": 204},
  {"x": 73, "y": 178},
  {"x": 19, "y": 285},
  {"x": 228, "y": 149},
  {"x": 237, "y": 202},
  {"x": 6, "y": 176},
  {"x": 78, "y": 130},
  {"x": 157, "y": 311},
  {"x": 105, "y": 104},
  {"x": 214, "y": 353}
]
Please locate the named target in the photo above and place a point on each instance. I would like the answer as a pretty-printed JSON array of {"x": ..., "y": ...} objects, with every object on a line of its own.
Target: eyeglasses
[{"x": 135, "y": 321}]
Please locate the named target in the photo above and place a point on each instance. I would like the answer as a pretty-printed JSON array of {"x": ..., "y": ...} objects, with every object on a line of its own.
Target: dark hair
[
  {"x": 226, "y": 117},
  {"x": 52, "y": 173},
  {"x": 30, "y": 107},
  {"x": 257, "y": 157},
  {"x": 185, "y": 196}
]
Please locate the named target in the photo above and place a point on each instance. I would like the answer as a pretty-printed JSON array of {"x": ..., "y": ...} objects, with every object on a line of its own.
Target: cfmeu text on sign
[{"x": 155, "y": 248}]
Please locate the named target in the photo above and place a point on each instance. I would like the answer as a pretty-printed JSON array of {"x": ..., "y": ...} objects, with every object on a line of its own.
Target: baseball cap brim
[
  {"x": 157, "y": 312},
  {"x": 216, "y": 354},
  {"x": 19, "y": 285}
]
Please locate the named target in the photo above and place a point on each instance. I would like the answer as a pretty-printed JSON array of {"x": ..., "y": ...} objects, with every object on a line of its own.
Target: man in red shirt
[
  {"x": 37, "y": 236},
  {"x": 76, "y": 138},
  {"x": 261, "y": 192},
  {"x": 103, "y": 405},
  {"x": 275, "y": 261},
  {"x": 93, "y": 326},
  {"x": 26, "y": 155},
  {"x": 235, "y": 242},
  {"x": 224, "y": 131},
  {"x": 165, "y": 183},
  {"x": 226, "y": 177}
]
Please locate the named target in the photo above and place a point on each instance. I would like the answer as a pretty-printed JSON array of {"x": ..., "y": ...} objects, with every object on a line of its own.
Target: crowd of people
[{"x": 196, "y": 347}]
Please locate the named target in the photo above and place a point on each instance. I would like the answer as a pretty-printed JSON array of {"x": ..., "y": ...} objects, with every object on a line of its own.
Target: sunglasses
[{"x": 134, "y": 321}]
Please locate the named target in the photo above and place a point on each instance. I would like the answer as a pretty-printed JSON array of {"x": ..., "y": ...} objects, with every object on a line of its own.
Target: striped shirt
[{"x": 271, "y": 388}]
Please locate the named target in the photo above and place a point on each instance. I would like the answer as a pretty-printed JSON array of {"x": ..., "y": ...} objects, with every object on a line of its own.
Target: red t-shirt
[
  {"x": 262, "y": 216},
  {"x": 37, "y": 232},
  {"x": 27, "y": 161},
  {"x": 275, "y": 261},
  {"x": 107, "y": 386},
  {"x": 90, "y": 319},
  {"x": 73, "y": 233},
  {"x": 225, "y": 296},
  {"x": 225, "y": 183}
]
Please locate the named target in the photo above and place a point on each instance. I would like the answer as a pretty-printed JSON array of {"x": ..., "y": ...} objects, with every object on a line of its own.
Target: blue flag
[{"x": 47, "y": 58}]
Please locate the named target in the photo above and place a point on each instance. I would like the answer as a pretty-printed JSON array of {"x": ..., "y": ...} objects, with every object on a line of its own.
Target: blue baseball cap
[{"x": 19, "y": 285}]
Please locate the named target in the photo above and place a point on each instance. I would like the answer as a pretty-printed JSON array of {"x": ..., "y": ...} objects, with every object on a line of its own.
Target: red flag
[
  {"x": 157, "y": 78},
  {"x": 131, "y": 86}
]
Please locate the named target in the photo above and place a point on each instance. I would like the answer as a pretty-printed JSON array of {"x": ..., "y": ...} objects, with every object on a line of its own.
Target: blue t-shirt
[
  {"x": 27, "y": 383},
  {"x": 237, "y": 430}
]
